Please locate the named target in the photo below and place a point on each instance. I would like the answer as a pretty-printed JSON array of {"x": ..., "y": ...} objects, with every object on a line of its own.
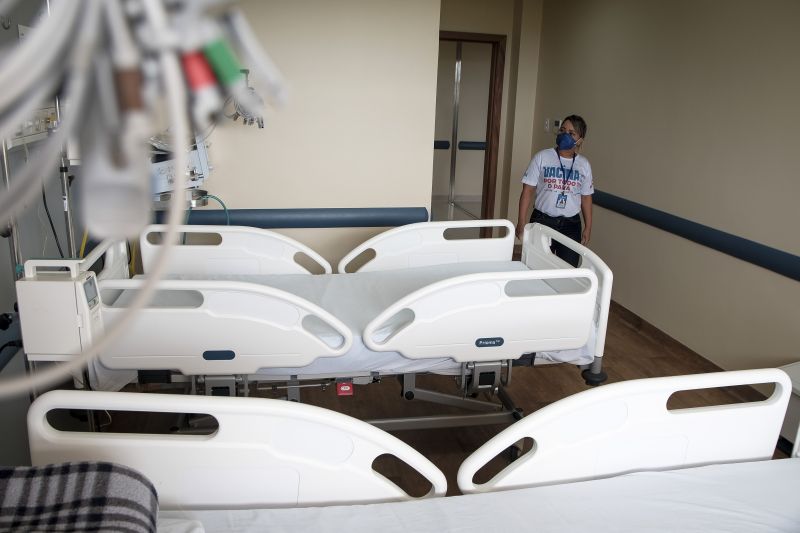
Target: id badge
[{"x": 561, "y": 201}]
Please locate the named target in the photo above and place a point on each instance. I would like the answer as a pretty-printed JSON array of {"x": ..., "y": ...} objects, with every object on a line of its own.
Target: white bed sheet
[
  {"x": 738, "y": 497},
  {"x": 356, "y": 299}
]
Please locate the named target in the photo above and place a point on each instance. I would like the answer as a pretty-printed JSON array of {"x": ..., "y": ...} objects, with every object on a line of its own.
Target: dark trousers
[{"x": 569, "y": 226}]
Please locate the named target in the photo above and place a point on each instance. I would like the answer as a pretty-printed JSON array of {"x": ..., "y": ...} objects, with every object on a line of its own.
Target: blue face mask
[{"x": 564, "y": 141}]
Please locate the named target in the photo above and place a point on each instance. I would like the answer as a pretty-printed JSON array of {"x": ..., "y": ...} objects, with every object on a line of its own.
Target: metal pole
[
  {"x": 13, "y": 232},
  {"x": 454, "y": 136},
  {"x": 65, "y": 194},
  {"x": 64, "y": 176}
]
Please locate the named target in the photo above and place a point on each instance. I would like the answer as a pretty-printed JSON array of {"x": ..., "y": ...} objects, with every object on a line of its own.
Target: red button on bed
[{"x": 344, "y": 388}]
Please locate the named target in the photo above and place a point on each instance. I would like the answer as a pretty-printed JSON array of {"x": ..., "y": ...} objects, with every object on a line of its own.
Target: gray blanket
[{"x": 77, "y": 497}]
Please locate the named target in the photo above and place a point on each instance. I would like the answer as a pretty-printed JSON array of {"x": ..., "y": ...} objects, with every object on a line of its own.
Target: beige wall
[
  {"x": 691, "y": 107},
  {"x": 522, "y": 90},
  {"x": 357, "y": 130}
]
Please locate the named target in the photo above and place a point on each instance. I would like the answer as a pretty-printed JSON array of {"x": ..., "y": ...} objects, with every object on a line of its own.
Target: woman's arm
[
  {"x": 586, "y": 210},
  {"x": 526, "y": 198}
]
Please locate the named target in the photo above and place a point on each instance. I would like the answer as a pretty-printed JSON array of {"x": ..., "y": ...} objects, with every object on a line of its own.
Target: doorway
[{"x": 466, "y": 144}]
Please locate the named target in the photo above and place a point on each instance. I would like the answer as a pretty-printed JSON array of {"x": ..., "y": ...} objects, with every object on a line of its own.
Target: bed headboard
[
  {"x": 626, "y": 426},
  {"x": 265, "y": 453},
  {"x": 428, "y": 243},
  {"x": 238, "y": 250}
]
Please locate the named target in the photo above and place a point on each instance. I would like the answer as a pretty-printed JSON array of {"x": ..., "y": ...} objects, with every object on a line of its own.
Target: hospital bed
[
  {"x": 706, "y": 468},
  {"x": 242, "y": 307}
]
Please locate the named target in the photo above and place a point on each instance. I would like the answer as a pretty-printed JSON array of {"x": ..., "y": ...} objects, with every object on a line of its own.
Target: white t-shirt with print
[{"x": 551, "y": 175}]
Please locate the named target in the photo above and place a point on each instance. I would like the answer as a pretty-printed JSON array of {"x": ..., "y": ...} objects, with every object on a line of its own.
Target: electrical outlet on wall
[
  {"x": 556, "y": 124},
  {"x": 547, "y": 125}
]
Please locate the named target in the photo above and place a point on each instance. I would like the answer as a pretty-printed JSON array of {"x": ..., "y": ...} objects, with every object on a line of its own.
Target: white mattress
[
  {"x": 739, "y": 497},
  {"x": 356, "y": 299}
]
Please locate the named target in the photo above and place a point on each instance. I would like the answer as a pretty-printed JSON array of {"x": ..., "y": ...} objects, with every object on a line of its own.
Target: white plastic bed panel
[
  {"x": 222, "y": 327},
  {"x": 626, "y": 427},
  {"x": 424, "y": 244},
  {"x": 265, "y": 453},
  {"x": 489, "y": 316},
  {"x": 242, "y": 250},
  {"x": 536, "y": 255}
]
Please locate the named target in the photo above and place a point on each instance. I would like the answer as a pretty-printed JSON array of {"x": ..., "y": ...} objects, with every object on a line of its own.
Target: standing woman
[{"x": 558, "y": 182}]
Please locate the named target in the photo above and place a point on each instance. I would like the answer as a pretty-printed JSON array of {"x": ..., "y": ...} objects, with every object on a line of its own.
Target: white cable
[
  {"x": 176, "y": 97},
  {"x": 37, "y": 55},
  {"x": 255, "y": 57},
  {"x": 123, "y": 51}
]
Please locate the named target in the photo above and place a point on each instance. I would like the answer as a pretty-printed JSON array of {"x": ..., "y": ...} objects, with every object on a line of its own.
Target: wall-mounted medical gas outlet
[{"x": 35, "y": 128}]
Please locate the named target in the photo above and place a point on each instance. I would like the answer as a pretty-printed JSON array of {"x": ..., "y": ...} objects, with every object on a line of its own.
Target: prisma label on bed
[{"x": 489, "y": 342}]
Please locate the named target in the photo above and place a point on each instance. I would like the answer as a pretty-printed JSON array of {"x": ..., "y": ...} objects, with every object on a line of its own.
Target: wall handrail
[
  {"x": 323, "y": 217},
  {"x": 772, "y": 259}
]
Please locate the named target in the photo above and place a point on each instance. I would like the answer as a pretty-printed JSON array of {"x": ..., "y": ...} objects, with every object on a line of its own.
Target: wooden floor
[{"x": 634, "y": 349}]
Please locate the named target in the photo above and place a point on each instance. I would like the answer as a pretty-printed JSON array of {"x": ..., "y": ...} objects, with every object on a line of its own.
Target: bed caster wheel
[
  {"x": 594, "y": 379},
  {"x": 516, "y": 414},
  {"x": 409, "y": 395}
]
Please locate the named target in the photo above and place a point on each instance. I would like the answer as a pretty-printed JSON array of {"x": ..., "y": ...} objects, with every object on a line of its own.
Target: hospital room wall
[
  {"x": 357, "y": 128},
  {"x": 691, "y": 107}
]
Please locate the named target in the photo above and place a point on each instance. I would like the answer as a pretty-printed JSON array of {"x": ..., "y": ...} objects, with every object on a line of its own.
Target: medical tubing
[
  {"x": 257, "y": 59},
  {"x": 224, "y": 62},
  {"x": 83, "y": 243},
  {"x": 124, "y": 53},
  {"x": 25, "y": 185},
  {"x": 35, "y": 57},
  {"x": 224, "y": 208},
  {"x": 180, "y": 132},
  {"x": 52, "y": 226}
]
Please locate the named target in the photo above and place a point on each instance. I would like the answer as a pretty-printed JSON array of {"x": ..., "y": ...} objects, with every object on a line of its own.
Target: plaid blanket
[{"x": 77, "y": 497}]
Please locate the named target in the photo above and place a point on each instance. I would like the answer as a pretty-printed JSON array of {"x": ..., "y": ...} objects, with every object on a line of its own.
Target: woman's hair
[{"x": 578, "y": 123}]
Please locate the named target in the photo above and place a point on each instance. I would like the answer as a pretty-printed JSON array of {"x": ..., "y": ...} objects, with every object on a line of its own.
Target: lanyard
[{"x": 565, "y": 178}]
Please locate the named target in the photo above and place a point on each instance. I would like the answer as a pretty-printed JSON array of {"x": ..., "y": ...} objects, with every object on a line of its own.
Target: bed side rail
[
  {"x": 536, "y": 254},
  {"x": 427, "y": 243},
  {"x": 219, "y": 327},
  {"x": 265, "y": 453},
  {"x": 238, "y": 250},
  {"x": 489, "y": 316},
  {"x": 626, "y": 426}
]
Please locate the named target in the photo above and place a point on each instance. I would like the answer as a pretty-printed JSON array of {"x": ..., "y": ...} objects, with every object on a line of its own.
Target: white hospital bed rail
[
  {"x": 626, "y": 426},
  {"x": 265, "y": 453},
  {"x": 536, "y": 254},
  {"x": 489, "y": 316},
  {"x": 224, "y": 327},
  {"x": 425, "y": 243},
  {"x": 241, "y": 250}
]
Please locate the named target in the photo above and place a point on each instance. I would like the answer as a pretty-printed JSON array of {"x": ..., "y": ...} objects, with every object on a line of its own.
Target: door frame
[{"x": 497, "y": 70}]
